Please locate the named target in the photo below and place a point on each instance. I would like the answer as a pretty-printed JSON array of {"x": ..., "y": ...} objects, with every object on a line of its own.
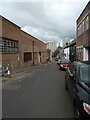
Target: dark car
[
  {"x": 64, "y": 63},
  {"x": 77, "y": 82}
]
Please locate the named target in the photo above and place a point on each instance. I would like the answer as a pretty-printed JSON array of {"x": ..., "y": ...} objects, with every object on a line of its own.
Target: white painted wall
[
  {"x": 85, "y": 54},
  {"x": 66, "y": 40},
  {"x": 66, "y": 51},
  {"x": 51, "y": 45}
]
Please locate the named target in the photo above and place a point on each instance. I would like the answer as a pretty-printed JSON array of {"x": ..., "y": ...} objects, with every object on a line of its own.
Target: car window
[
  {"x": 84, "y": 73},
  {"x": 65, "y": 61}
]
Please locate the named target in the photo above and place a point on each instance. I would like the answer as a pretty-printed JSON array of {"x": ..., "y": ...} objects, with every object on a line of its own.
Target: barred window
[{"x": 8, "y": 46}]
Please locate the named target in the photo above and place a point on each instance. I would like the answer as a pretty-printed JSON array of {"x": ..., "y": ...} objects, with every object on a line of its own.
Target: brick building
[
  {"x": 19, "y": 48},
  {"x": 83, "y": 35}
]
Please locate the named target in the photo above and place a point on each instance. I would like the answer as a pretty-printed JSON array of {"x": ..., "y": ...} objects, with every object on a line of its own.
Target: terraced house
[
  {"x": 83, "y": 35},
  {"x": 19, "y": 48}
]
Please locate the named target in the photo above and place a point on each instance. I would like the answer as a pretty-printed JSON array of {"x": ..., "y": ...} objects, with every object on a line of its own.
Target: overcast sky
[{"x": 52, "y": 20}]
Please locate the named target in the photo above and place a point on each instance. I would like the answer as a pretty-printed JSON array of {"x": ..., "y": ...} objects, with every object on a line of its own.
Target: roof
[
  {"x": 20, "y": 29},
  {"x": 86, "y": 62},
  {"x": 81, "y": 62},
  {"x": 32, "y": 36},
  {"x": 10, "y": 21},
  {"x": 71, "y": 43},
  {"x": 59, "y": 47}
]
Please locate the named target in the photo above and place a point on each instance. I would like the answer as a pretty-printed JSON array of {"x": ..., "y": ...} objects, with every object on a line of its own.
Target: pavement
[{"x": 20, "y": 72}]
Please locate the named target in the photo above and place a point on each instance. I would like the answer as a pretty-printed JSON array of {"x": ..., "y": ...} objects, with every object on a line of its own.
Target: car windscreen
[
  {"x": 84, "y": 73},
  {"x": 65, "y": 61}
]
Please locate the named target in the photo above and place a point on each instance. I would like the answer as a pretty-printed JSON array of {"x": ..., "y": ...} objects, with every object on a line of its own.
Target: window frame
[
  {"x": 87, "y": 22},
  {"x": 7, "y": 46}
]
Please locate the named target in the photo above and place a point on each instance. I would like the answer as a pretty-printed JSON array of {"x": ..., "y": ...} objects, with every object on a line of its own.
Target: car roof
[
  {"x": 78, "y": 63},
  {"x": 65, "y": 60}
]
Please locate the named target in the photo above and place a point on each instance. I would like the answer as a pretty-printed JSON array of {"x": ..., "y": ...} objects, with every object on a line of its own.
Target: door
[{"x": 72, "y": 80}]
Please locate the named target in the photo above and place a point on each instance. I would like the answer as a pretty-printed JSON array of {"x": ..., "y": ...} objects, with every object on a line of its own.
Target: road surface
[{"x": 41, "y": 94}]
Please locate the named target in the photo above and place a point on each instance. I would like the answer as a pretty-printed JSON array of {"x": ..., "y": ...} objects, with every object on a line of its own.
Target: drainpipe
[{"x": 33, "y": 52}]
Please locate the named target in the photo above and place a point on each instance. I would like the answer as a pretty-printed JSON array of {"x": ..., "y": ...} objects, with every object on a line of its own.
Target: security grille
[{"x": 27, "y": 56}]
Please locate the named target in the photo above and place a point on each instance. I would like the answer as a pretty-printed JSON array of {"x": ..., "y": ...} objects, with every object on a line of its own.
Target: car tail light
[
  {"x": 86, "y": 108},
  {"x": 61, "y": 65}
]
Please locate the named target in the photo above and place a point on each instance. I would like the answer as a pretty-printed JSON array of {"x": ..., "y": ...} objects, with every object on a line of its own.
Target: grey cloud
[{"x": 46, "y": 20}]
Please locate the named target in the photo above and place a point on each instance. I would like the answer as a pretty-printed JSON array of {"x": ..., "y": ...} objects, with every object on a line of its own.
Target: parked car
[
  {"x": 77, "y": 82},
  {"x": 64, "y": 63}
]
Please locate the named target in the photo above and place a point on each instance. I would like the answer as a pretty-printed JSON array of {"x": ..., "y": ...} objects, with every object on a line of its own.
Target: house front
[{"x": 83, "y": 35}]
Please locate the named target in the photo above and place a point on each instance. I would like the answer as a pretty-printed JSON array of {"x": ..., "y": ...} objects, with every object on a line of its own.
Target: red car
[{"x": 64, "y": 63}]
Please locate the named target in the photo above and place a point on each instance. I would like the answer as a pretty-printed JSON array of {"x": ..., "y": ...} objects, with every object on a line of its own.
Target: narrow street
[{"x": 40, "y": 95}]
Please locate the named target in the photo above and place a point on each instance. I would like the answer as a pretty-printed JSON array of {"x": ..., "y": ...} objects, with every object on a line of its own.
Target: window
[
  {"x": 27, "y": 56},
  {"x": 83, "y": 26},
  {"x": 87, "y": 22},
  {"x": 78, "y": 30},
  {"x": 8, "y": 46},
  {"x": 84, "y": 73},
  {"x": 1, "y": 44}
]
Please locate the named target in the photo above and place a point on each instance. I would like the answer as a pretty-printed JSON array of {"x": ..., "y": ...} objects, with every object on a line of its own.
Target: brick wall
[
  {"x": 83, "y": 35},
  {"x": 13, "y": 32}
]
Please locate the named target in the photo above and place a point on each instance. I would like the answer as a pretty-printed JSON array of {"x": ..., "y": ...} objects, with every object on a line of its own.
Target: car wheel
[
  {"x": 66, "y": 87},
  {"x": 76, "y": 113},
  {"x": 59, "y": 68}
]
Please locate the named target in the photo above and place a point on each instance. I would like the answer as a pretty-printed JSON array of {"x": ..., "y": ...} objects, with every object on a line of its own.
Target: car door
[{"x": 72, "y": 79}]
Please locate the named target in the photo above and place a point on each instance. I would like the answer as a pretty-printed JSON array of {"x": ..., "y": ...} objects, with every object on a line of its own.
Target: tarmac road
[{"x": 40, "y": 94}]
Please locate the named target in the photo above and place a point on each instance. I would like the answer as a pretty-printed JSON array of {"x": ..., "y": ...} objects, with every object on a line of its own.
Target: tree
[{"x": 55, "y": 53}]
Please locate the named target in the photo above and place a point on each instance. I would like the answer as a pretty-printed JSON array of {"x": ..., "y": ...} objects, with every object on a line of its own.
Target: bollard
[{"x": 8, "y": 73}]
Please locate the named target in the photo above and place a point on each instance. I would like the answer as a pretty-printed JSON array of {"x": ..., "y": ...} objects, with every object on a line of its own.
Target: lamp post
[{"x": 33, "y": 52}]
